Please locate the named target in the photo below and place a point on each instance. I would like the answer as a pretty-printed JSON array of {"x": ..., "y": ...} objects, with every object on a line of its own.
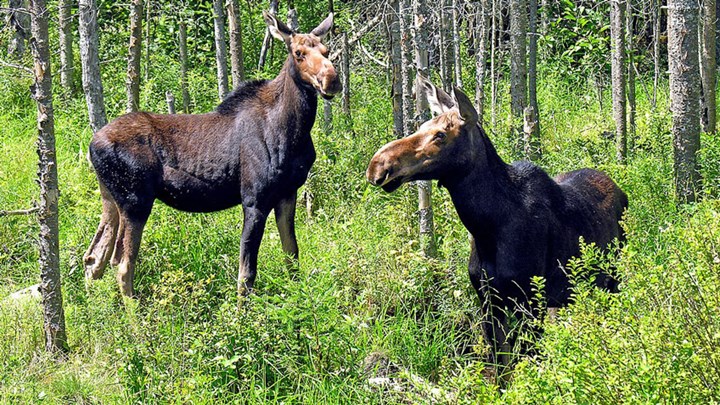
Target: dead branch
[{"x": 20, "y": 212}]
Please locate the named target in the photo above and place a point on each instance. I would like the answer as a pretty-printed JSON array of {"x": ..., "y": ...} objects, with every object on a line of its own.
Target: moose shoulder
[
  {"x": 523, "y": 222},
  {"x": 254, "y": 150}
]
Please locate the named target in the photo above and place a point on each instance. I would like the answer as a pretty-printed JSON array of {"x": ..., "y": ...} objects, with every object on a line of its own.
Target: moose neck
[
  {"x": 297, "y": 99},
  {"x": 482, "y": 192}
]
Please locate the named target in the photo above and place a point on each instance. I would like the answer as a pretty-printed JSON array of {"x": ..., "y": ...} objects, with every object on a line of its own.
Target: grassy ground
[{"x": 365, "y": 303}]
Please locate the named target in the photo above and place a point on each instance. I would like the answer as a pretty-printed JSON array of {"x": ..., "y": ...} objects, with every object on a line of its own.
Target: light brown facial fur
[
  {"x": 418, "y": 154},
  {"x": 311, "y": 58},
  {"x": 309, "y": 54}
]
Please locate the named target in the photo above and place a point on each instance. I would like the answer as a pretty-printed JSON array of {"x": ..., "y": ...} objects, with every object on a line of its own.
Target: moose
[
  {"x": 523, "y": 223},
  {"x": 255, "y": 149}
]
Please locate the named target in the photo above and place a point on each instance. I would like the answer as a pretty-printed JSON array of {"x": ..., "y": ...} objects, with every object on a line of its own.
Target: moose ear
[
  {"x": 321, "y": 30},
  {"x": 465, "y": 106},
  {"x": 438, "y": 100},
  {"x": 277, "y": 28}
]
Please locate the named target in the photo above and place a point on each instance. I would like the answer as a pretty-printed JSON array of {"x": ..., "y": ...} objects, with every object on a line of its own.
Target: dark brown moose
[
  {"x": 523, "y": 223},
  {"x": 254, "y": 149}
]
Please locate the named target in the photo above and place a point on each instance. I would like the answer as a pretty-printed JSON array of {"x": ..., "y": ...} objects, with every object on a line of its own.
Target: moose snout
[
  {"x": 330, "y": 80},
  {"x": 378, "y": 171}
]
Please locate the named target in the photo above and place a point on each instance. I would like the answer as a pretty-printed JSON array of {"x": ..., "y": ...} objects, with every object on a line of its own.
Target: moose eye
[
  {"x": 440, "y": 136},
  {"x": 298, "y": 54}
]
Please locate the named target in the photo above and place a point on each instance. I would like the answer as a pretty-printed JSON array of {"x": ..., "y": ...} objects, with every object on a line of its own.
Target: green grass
[{"x": 363, "y": 288}]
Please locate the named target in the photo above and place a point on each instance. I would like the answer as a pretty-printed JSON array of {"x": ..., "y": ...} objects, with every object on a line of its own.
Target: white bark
[
  {"x": 708, "y": 65},
  {"x": 617, "y": 38},
  {"x": 236, "y": 48},
  {"x": 220, "y": 48},
  {"x": 67, "y": 64},
  {"x": 91, "y": 79},
  {"x": 134, "y": 55},
  {"x": 50, "y": 285},
  {"x": 683, "y": 16}
]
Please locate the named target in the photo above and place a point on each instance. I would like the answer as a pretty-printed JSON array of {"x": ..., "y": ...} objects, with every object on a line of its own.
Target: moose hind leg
[
  {"x": 285, "y": 218},
  {"x": 101, "y": 247},
  {"x": 126, "y": 250}
]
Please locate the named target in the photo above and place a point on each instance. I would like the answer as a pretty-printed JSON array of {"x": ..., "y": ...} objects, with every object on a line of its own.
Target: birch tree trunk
[
  {"x": 406, "y": 49},
  {"x": 532, "y": 142},
  {"x": 148, "y": 37},
  {"x": 220, "y": 48},
  {"x": 481, "y": 13},
  {"x": 91, "y": 79},
  {"x": 629, "y": 50},
  {"x": 236, "y": 47},
  {"x": 67, "y": 64},
  {"x": 684, "y": 95},
  {"x": 422, "y": 40},
  {"x": 134, "y": 56},
  {"x": 708, "y": 66},
  {"x": 267, "y": 40},
  {"x": 170, "y": 100},
  {"x": 518, "y": 69},
  {"x": 446, "y": 47},
  {"x": 395, "y": 66},
  {"x": 456, "y": 4},
  {"x": 18, "y": 21},
  {"x": 617, "y": 39},
  {"x": 656, "y": 49},
  {"x": 50, "y": 285},
  {"x": 345, "y": 75},
  {"x": 493, "y": 69},
  {"x": 183, "y": 68}
]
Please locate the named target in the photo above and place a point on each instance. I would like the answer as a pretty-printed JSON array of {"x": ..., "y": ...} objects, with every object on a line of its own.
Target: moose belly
[{"x": 186, "y": 192}]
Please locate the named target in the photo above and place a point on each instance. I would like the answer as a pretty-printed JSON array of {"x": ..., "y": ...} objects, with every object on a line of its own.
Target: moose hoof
[{"x": 93, "y": 271}]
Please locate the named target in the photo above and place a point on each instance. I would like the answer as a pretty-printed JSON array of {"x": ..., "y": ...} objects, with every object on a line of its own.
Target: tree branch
[
  {"x": 359, "y": 33},
  {"x": 28, "y": 211},
  {"x": 16, "y": 66}
]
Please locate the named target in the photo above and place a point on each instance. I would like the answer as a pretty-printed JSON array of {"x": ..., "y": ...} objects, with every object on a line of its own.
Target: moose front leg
[
  {"x": 253, "y": 228},
  {"x": 285, "y": 218}
]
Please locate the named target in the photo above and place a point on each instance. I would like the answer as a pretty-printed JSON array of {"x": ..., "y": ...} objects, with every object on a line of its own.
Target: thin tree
[
  {"x": 50, "y": 285},
  {"x": 327, "y": 104},
  {"x": 683, "y": 63},
  {"x": 396, "y": 66},
  {"x": 532, "y": 122},
  {"x": 406, "y": 48},
  {"x": 220, "y": 48},
  {"x": 630, "y": 52},
  {"x": 17, "y": 19},
  {"x": 134, "y": 55},
  {"x": 345, "y": 78},
  {"x": 67, "y": 64},
  {"x": 90, "y": 61},
  {"x": 617, "y": 39},
  {"x": 184, "y": 67},
  {"x": 518, "y": 68},
  {"x": 708, "y": 66},
  {"x": 292, "y": 16},
  {"x": 456, "y": 4},
  {"x": 656, "y": 10},
  {"x": 493, "y": 69},
  {"x": 267, "y": 40},
  {"x": 148, "y": 37},
  {"x": 236, "y": 47},
  {"x": 446, "y": 47},
  {"x": 481, "y": 21},
  {"x": 422, "y": 39}
]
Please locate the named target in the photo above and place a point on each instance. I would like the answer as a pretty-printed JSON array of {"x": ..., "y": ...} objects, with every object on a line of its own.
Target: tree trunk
[
  {"x": 545, "y": 16},
  {"x": 708, "y": 66},
  {"x": 518, "y": 69},
  {"x": 395, "y": 64},
  {"x": 422, "y": 41},
  {"x": 629, "y": 50},
  {"x": 236, "y": 47},
  {"x": 481, "y": 13},
  {"x": 18, "y": 20},
  {"x": 446, "y": 46},
  {"x": 327, "y": 104},
  {"x": 617, "y": 39},
  {"x": 656, "y": 10},
  {"x": 406, "y": 49},
  {"x": 170, "y": 99},
  {"x": 493, "y": 69},
  {"x": 268, "y": 38},
  {"x": 220, "y": 48},
  {"x": 134, "y": 49},
  {"x": 345, "y": 75},
  {"x": 292, "y": 19},
  {"x": 50, "y": 285},
  {"x": 91, "y": 79},
  {"x": 684, "y": 95},
  {"x": 67, "y": 64},
  {"x": 456, "y": 4},
  {"x": 148, "y": 37},
  {"x": 532, "y": 143},
  {"x": 183, "y": 68}
]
